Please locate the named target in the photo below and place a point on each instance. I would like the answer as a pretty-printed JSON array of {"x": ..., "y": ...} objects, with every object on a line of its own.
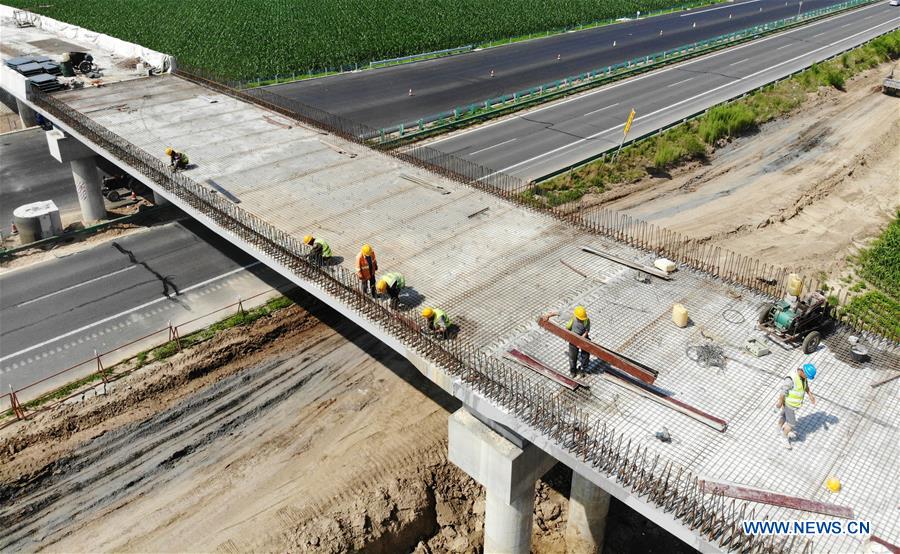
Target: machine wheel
[
  {"x": 811, "y": 342},
  {"x": 113, "y": 196},
  {"x": 763, "y": 314}
]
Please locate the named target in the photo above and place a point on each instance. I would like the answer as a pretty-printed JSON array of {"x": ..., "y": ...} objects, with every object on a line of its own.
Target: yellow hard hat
[
  {"x": 833, "y": 484},
  {"x": 427, "y": 312},
  {"x": 580, "y": 313},
  {"x": 308, "y": 239},
  {"x": 367, "y": 250},
  {"x": 170, "y": 151},
  {"x": 381, "y": 285}
]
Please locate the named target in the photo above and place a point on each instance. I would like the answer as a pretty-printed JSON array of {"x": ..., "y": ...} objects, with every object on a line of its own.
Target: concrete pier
[
  {"x": 508, "y": 473},
  {"x": 84, "y": 172},
  {"x": 588, "y": 507},
  {"x": 26, "y": 114}
]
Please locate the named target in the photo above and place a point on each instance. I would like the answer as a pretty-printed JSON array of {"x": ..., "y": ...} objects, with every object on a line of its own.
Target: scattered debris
[
  {"x": 664, "y": 435},
  {"x": 707, "y": 355}
]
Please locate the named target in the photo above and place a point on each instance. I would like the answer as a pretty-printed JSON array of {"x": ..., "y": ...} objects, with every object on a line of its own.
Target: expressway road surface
[
  {"x": 541, "y": 141},
  {"x": 57, "y": 313},
  {"x": 379, "y": 98},
  {"x": 29, "y": 173}
]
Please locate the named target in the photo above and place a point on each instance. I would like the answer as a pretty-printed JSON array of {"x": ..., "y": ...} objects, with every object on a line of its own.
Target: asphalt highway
[
  {"x": 380, "y": 98},
  {"x": 555, "y": 136},
  {"x": 57, "y": 313},
  {"x": 29, "y": 173}
]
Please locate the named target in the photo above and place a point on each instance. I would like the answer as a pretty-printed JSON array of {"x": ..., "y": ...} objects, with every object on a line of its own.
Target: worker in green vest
[
  {"x": 320, "y": 251},
  {"x": 581, "y": 326},
  {"x": 391, "y": 283},
  {"x": 793, "y": 390},
  {"x": 437, "y": 320}
]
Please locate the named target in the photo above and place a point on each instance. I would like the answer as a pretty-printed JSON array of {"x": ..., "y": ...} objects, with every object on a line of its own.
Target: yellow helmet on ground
[
  {"x": 580, "y": 313},
  {"x": 170, "y": 151},
  {"x": 367, "y": 250},
  {"x": 427, "y": 312},
  {"x": 833, "y": 484},
  {"x": 308, "y": 239},
  {"x": 381, "y": 285}
]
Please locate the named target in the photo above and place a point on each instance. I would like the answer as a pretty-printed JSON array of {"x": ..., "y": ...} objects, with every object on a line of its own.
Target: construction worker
[
  {"x": 366, "y": 266},
  {"x": 437, "y": 319},
  {"x": 581, "y": 326},
  {"x": 178, "y": 160},
  {"x": 320, "y": 250},
  {"x": 392, "y": 283},
  {"x": 794, "y": 388}
]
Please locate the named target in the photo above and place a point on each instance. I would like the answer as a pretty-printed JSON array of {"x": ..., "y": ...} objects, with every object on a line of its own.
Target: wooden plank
[
  {"x": 652, "y": 393},
  {"x": 776, "y": 499},
  {"x": 629, "y": 366},
  {"x": 542, "y": 368},
  {"x": 633, "y": 265},
  {"x": 885, "y": 381}
]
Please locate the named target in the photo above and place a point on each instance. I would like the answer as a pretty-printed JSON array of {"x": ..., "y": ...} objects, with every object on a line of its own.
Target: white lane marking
[
  {"x": 126, "y": 312},
  {"x": 601, "y": 109},
  {"x": 494, "y": 146},
  {"x": 680, "y": 82},
  {"x": 720, "y": 8},
  {"x": 624, "y": 82},
  {"x": 819, "y": 34},
  {"x": 669, "y": 107},
  {"x": 785, "y": 46},
  {"x": 67, "y": 289},
  {"x": 739, "y": 61},
  {"x": 847, "y": 25}
]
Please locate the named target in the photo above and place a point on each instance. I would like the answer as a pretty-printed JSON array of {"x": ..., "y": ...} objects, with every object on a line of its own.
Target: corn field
[{"x": 246, "y": 39}]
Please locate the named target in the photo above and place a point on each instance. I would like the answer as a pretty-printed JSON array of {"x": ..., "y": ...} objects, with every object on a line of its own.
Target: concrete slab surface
[{"x": 497, "y": 271}]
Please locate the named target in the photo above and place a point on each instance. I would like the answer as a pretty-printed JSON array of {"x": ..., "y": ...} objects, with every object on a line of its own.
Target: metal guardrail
[
  {"x": 575, "y": 431},
  {"x": 603, "y": 75},
  {"x": 21, "y": 411}
]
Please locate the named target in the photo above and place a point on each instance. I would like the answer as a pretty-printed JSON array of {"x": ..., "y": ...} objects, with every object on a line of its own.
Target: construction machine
[{"x": 797, "y": 320}]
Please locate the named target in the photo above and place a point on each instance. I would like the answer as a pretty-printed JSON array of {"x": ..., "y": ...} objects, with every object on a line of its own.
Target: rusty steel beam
[
  {"x": 776, "y": 499},
  {"x": 892, "y": 547},
  {"x": 628, "y": 263},
  {"x": 542, "y": 368},
  {"x": 631, "y": 367}
]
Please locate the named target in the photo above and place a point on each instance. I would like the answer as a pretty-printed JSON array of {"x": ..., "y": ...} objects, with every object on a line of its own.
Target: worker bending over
[
  {"x": 177, "y": 160},
  {"x": 793, "y": 389},
  {"x": 366, "y": 266},
  {"x": 581, "y": 326},
  {"x": 438, "y": 321},
  {"x": 320, "y": 251},
  {"x": 392, "y": 283}
]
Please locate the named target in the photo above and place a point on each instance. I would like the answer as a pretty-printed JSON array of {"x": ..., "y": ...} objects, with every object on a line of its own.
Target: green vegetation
[
  {"x": 246, "y": 39},
  {"x": 690, "y": 140},
  {"x": 879, "y": 268}
]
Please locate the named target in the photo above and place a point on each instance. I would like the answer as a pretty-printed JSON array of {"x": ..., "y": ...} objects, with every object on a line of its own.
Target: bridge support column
[
  {"x": 586, "y": 527},
  {"x": 159, "y": 199},
  {"x": 26, "y": 114},
  {"x": 84, "y": 172},
  {"x": 508, "y": 473}
]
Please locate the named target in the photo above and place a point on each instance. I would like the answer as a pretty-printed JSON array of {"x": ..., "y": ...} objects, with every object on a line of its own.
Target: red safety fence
[{"x": 21, "y": 411}]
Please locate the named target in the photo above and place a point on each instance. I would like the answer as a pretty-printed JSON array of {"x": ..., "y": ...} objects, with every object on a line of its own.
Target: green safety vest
[
  {"x": 441, "y": 315},
  {"x": 794, "y": 397},
  {"x": 571, "y": 322},
  {"x": 394, "y": 277},
  {"x": 326, "y": 250}
]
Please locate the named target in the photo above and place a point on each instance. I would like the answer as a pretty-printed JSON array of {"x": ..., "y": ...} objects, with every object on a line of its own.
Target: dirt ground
[{"x": 803, "y": 192}]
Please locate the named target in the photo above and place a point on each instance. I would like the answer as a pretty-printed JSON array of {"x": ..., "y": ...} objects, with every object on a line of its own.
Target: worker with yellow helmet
[
  {"x": 581, "y": 326},
  {"x": 437, "y": 319},
  {"x": 366, "y": 266},
  {"x": 177, "y": 160},
  {"x": 320, "y": 251},
  {"x": 391, "y": 283}
]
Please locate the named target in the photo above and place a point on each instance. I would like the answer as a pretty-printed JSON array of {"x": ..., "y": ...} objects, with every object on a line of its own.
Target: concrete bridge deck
[{"x": 495, "y": 267}]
